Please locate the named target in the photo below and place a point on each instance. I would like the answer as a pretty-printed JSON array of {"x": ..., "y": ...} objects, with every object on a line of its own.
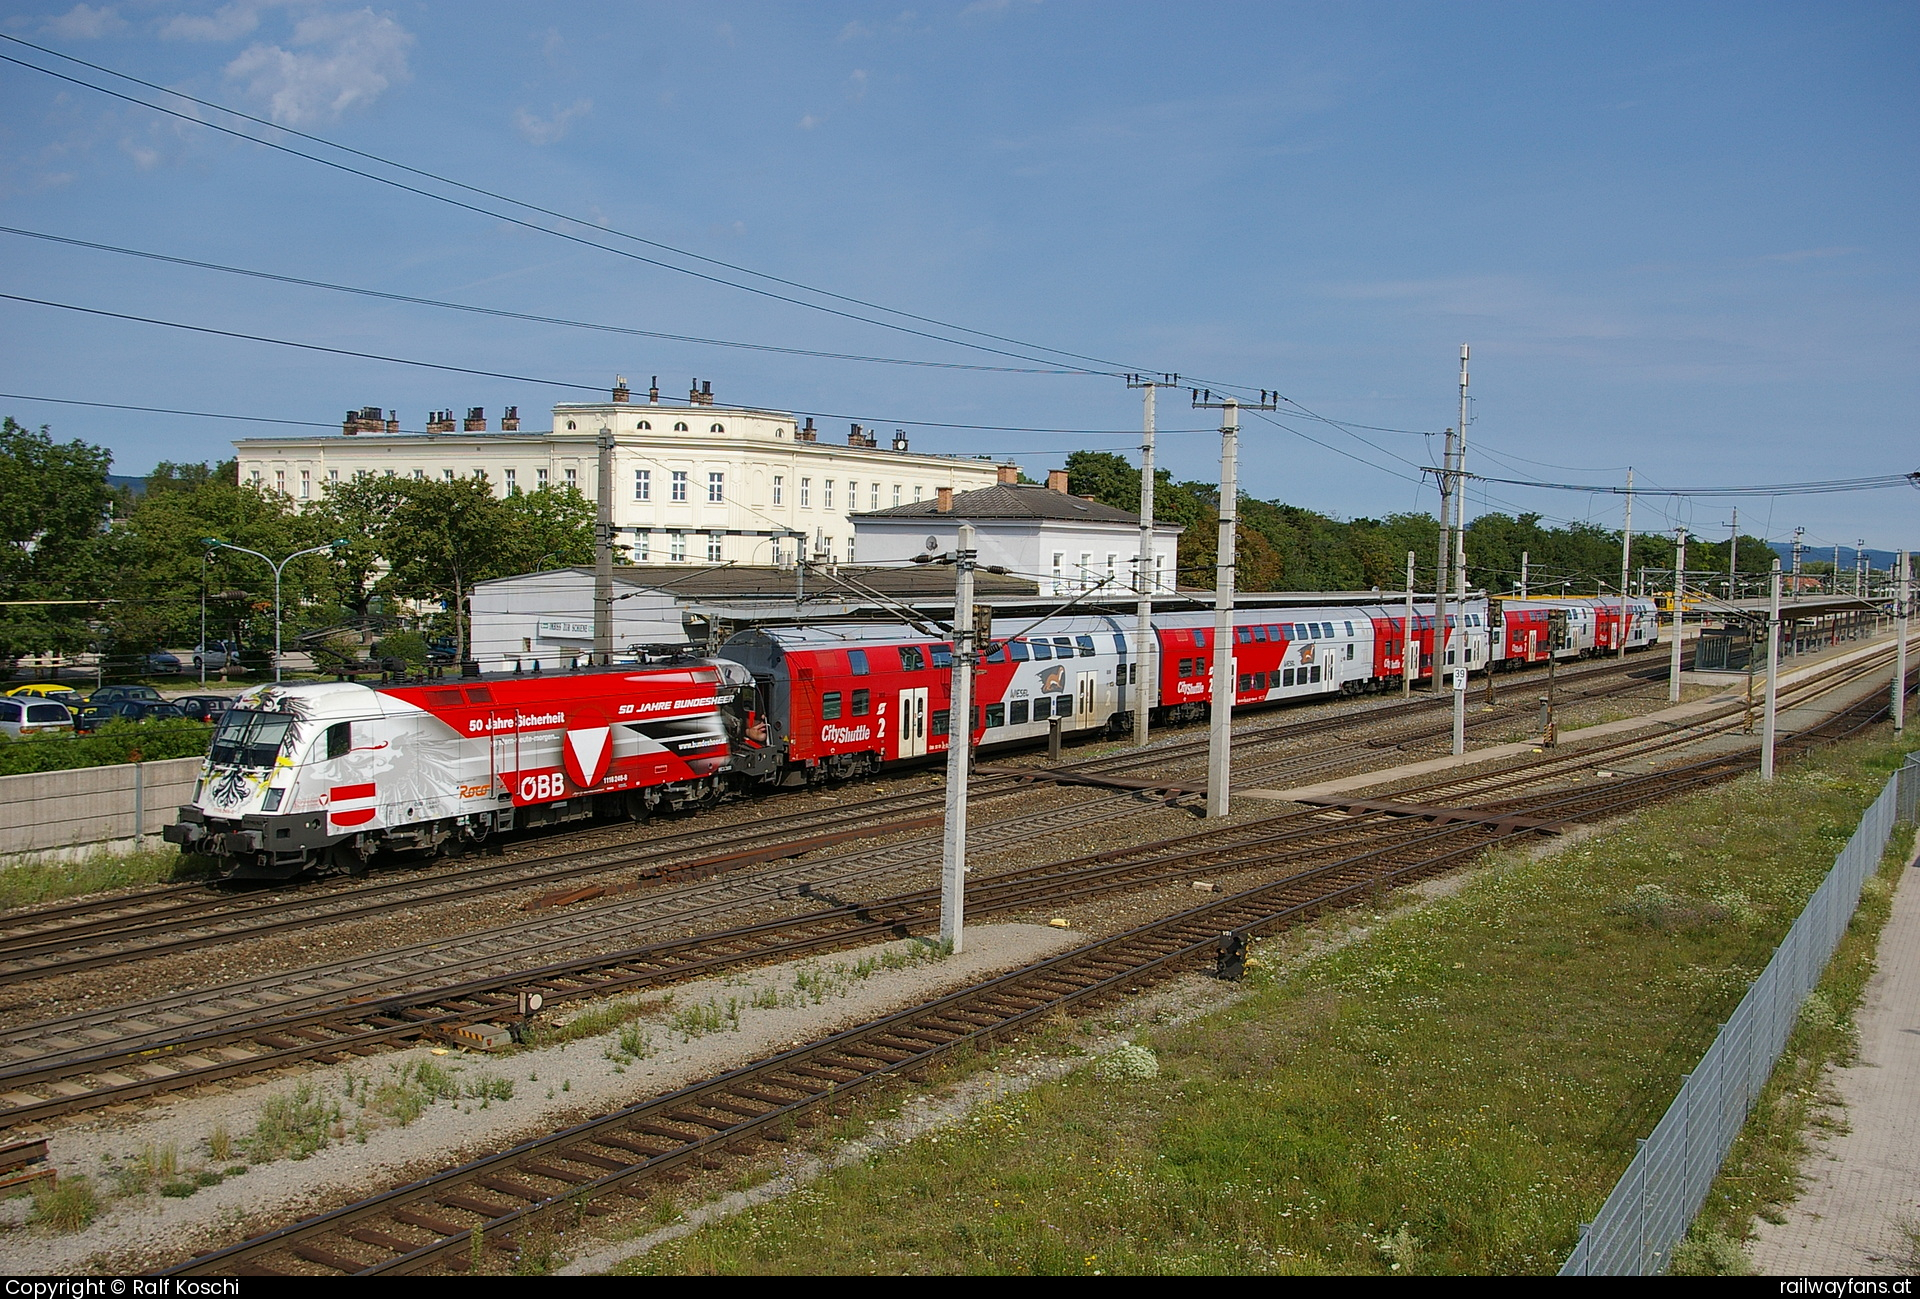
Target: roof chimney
[
  {"x": 393, "y": 421},
  {"x": 859, "y": 437},
  {"x": 1008, "y": 475},
  {"x": 476, "y": 420},
  {"x": 621, "y": 394},
  {"x": 899, "y": 439},
  {"x": 510, "y": 420},
  {"x": 693, "y": 393},
  {"x": 653, "y": 393},
  {"x": 943, "y": 500},
  {"x": 807, "y": 434},
  {"x": 1057, "y": 481}
]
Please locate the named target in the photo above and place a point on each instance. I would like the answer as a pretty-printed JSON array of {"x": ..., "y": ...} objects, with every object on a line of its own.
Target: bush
[
  {"x": 112, "y": 744},
  {"x": 408, "y": 646}
]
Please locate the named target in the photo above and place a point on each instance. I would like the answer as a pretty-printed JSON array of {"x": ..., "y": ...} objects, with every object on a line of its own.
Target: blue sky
[{"x": 1677, "y": 237}]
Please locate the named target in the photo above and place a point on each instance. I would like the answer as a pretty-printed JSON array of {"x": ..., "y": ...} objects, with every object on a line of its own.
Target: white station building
[
  {"x": 1065, "y": 543},
  {"x": 694, "y": 482}
]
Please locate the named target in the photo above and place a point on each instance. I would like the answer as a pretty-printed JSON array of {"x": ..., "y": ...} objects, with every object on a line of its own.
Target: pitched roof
[
  {"x": 1010, "y": 501},
  {"x": 748, "y": 582}
]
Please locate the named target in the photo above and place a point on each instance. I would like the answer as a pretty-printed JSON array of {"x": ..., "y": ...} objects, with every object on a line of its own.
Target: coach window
[
  {"x": 1086, "y": 646},
  {"x": 1244, "y": 635},
  {"x": 1314, "y": 672},
  {"x": 942, "y": 720},
  {"x": 1186, "y": 667},
  {"x": 1200, "y": 637},
  {"x": 1063, "y": 648},
  {"x": 860, "y": 702},
  {"x": 1349, "y": 629},
  {"x": 1017, "y": 651},
  {"x": 857, "y": 662},
  {"x": 996, "y": 715},
  {"x": 1016, "y": 712},
  {"x": 1260, "y": 635},
  {"x": 911, "y": 660},
  {"x": 1040, "y": 649},
  {"x": 1286, "y": 677},
  {"x": 943, "y": 656},
  {"x": 1349, "y": 651},
  {"x": 997, "y": 653},
  {"x": 1260, "y": 680},
  {"x": 339, "y": 739},
  {"x": 1246, "y": 682},
  {"x": 830, "y": 705}
]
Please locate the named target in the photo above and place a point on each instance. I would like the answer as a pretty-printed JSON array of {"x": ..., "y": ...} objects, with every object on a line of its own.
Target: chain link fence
[{"x": 1667, "y": 1182}]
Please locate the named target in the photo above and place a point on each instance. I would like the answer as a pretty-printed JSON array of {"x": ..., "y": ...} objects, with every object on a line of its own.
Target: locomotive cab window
[
  {"x": 830, "y": 705},
  {"x": 861, "y": 699},
  {"x": 339, "y": 739}
]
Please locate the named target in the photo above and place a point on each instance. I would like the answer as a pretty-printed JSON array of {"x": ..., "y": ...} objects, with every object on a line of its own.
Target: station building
[{"x": 695, "y": 482}]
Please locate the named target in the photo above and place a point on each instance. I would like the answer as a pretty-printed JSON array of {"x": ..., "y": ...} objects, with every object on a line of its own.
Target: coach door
[
  {"x": 1086, "y": 695},
  {"x": 912, "y": 722}
]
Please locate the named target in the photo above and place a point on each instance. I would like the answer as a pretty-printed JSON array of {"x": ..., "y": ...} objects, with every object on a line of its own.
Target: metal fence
[{"x": 1665, "y": 1185}]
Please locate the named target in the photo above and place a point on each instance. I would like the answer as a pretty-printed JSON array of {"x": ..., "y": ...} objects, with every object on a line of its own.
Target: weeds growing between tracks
[{"x": 1453, "y": 1092}]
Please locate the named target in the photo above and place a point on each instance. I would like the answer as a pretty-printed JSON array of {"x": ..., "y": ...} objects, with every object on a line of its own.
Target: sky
[{"x": 1677, "y": 237}]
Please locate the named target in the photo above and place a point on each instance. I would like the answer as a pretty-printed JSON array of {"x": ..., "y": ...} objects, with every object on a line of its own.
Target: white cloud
[
  {"x": 228, "y": 23},
  {"x": 84, "y": 23},
  {"x": 857, "y": 84},
  {"x": 547, "y": 130},
  {"x": 808, "y": 122},
  {"x": 989, "y": 7},
  {"x": 338, "y": 61},
  {"x": 1811, "y": 254},
  {"x": 853, "y": 30}
]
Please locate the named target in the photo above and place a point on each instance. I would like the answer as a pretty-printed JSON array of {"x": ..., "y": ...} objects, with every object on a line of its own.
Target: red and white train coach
[{"x": 330, "y": 774}]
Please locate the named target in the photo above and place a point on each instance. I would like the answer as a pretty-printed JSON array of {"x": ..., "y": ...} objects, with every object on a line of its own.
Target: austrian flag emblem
[{"x": 349, "y": 805}]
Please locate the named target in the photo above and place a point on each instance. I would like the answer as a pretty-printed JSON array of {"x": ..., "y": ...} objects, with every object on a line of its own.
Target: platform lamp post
[
  {"x": 1679, "y": 611},
  {"x": 953, "y": 854},
  {"x": 1769, "y": 718},
  {"x": 214, "y": 543}
]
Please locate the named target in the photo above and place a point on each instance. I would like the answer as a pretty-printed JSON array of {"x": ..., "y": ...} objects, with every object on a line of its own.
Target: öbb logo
[{"x": 549, "y": 784}]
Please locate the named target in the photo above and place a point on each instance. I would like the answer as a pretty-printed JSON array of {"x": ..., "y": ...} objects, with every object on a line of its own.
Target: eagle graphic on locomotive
[{"x": 324, "y": 777}]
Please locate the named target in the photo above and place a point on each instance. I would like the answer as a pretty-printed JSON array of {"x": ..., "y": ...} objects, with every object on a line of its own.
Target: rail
[{"x": 1656, "y": 1199}]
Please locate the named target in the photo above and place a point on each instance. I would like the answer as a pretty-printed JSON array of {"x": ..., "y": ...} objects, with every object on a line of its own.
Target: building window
[
  {"x": 1110, "y": 572},
  {"x": 917, "y": 489},
  {"x": 420, "y": 475},
  {"x": 570, "y": 424},
  {"x": 447, "y": 475},
  {"x": 819, "y": 541},
  {"x": 644, "y": 427},
  {"x": 779, "y": 488},
  {"x": 826, "y": 494},
  {"x": 280, "y": 481},
  {"x": 1086, "y": 568},
  {"x": 306, "y": 484},
  {"x": 643, "y": 484},
  {"x": 806, "y": 493},
  {"x": 679, "y": 485},
  {"x": 1059, "y": 558},
  {"x": 540, "y": 480},
  {"x": 716, "y": 486},
  {"x": 873, "y": 496},
  {"x": 642, "y": 547},
  {"x": 333, "y": 475},
  {"x": 1159, "y": 566},
  {"x": 677, "y": 547},
  {"x": 573, "y": 480},
  {"x": 853, "y": 495},
  {"x": 896, "y": 493},
  {"x": 680, "y": 427},
  {"x": 513, "y": 482},
  {"x": 713, "y": 547},
  {"x": 718, "y": 428},
  {"x": 849, "y": 550}
]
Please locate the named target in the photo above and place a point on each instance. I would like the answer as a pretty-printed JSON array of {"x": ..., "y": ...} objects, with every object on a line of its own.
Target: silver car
[{"x": 21, "y": 715}]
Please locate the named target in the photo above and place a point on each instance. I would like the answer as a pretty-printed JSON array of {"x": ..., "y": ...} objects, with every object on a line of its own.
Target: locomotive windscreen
[{"x": 249, "y": 738}]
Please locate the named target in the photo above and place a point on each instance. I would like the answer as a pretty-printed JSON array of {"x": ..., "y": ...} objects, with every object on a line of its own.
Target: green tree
[
  {"x": 358, "y": 512},
  {"x": 443, "y": 537},
  {"x": 549, "y": 529},
  {"x": 54, "y": 502}
]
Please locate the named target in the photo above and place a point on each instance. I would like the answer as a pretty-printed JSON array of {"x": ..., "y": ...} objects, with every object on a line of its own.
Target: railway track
[
  {"x": 68, "y": 938},
  {"x": 120, "y": 1055},
  {"x": 456, "y": 1217}
]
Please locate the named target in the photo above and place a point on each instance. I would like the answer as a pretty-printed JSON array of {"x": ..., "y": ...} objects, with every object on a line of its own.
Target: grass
[
  {"x": 47, "y": 881},
  {"x": 1761, "y": 1173},
  {"x": 1453, "y": 1092},
  {"x": 67, "y": 1206}
]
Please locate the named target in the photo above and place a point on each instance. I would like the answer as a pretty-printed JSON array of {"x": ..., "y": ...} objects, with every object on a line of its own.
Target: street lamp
[{"x": 214, "y": 543}]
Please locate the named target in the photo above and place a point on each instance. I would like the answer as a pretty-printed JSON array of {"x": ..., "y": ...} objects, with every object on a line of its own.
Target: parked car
[
  {"x": 160, "y": 664},
  {"x": 49, "y": 690},
  {"x": 27, "y": 715},
  {"x": 215, "y": 655},
  {"x": 204, "y": 708},
  {"x": 114, "y": 694}
]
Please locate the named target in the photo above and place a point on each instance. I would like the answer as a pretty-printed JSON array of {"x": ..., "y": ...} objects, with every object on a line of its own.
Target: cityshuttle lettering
[{"x": 845, "y": 734}]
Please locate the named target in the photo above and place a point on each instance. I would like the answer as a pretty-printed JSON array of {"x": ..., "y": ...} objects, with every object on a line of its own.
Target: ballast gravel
[{"x": 143, "y": 1231}]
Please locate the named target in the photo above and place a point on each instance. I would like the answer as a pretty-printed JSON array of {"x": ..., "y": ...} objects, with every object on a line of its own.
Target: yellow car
[{"x": 49, "y": 690}]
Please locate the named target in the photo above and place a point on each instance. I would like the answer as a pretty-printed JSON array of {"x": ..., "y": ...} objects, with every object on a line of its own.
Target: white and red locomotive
[{"x": 329, "y": 775}]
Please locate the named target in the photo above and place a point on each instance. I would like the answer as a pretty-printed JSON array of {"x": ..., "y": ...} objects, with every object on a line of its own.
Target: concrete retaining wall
[{"x": 56, "y": 812}]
